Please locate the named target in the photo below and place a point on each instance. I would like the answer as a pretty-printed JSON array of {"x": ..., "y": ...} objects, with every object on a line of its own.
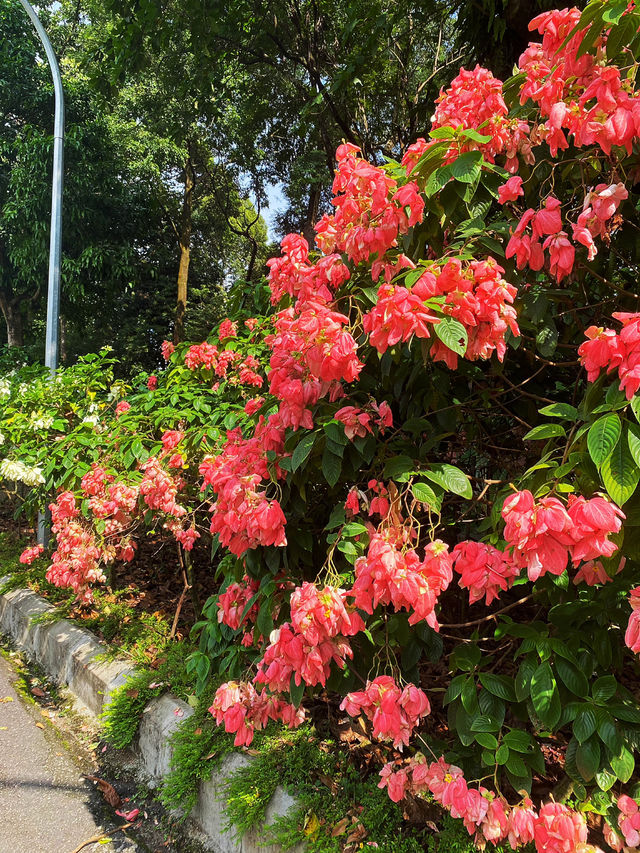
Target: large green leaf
[
  {"x": 452, "y": 334},
  {"x": 620, "y": 474},
  {"x": 584, "y": 724},
  {"x": 588, "y": 758},
  {"x": 603, "y": 437},
  {"x": 623, "y": 764},
  {"x": 450, "y": 478},
  {"x": 544, "y": 695},
  {"x": 302, "y": 450},
  {"x": 466, "y": 167}
]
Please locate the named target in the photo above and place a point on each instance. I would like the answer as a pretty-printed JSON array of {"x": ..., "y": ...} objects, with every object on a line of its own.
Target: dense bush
[{"x": 452, "y": 384}]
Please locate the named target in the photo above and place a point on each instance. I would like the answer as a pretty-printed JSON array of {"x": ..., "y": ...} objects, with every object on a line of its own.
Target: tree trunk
[
  {"x": 13, "y": 318},
  {"x": 185, "y": 248},
  {"x": 311, "y": 218}
]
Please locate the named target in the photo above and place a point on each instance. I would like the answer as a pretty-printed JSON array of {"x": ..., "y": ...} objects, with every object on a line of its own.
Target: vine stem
[{"x": 490, "y": 616}]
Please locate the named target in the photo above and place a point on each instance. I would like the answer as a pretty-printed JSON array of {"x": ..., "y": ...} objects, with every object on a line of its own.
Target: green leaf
[
  {"x": 564, "y": 411},
  {"x": 265, "y": 620},
  {"x": 584, "y": 724},
  {"x": 296, "y": 691},
  {"x": 425, "y": 494},
  {"x": 450, "y": 478},
  {"x": 486, "y": 739},
  {"x": 603, "y": 689},
  {"x": 572, "y": 677},
  {"x": 452, "y": 334},
  {"x": 518, "y": 740},
  {"x": 588, "y": 758},
  {"x": 523, "y": 679},
  {"x": 466, "y": 167},
  {"x": 635, "y": 406},
  {"x": 544, "y": 695},
  {"x": 603, "y": 437},
  {"x": 302, "y": 450},
  {"x": 547, "y": 339},
  {"x": 516, "y": 765},
  {"x": 620, "y": 474},
  {"x": 499, "y": 685},
  {"x": 484, "y": 723},
  {"x": 331, "y": 466},
  {"x": 545, "y": 431},
  {"x": 623, "y": 764},
  {"x": 502, "y": 754},
  {"x": 465, "y": 657},
  {"x": 633, "y": 438}
]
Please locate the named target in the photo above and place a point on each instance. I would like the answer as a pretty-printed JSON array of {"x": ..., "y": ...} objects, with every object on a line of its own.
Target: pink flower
[
  {"x": 594, "y": 521},
  {"x": 122, "y": 407},
  {"x": 629, "y": 821},
  {"x": 561, "y": 254},
  {"x": 152, "y": 383},
  {"x": 521, "y": 824},
  {"x": 252, "y": 405},
  {"x": 30, "y": 554},
  {"x": 227, "y": 329},
  {"x": 167, "y": 350},
  {"x": 356, "y": 422},
  {"x": 393, "y": 712},
  {"x": 540, "y": 533},
  {"x": 484, "y": 570},
  {"x": 511, "y": 190},
  {"x": 558, "y": 829},
  {"x": 352, "y": 504}
]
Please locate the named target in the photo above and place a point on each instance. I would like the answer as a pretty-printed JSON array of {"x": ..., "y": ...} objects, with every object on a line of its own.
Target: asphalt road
[{"x": 45, "y": 804}]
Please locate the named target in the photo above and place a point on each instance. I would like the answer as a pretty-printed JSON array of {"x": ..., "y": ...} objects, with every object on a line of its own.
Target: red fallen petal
[{"x": 129, "y": 816}]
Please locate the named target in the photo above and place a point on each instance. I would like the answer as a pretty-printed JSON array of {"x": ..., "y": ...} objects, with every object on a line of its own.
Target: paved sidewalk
[{"x": 45, "y": 804}]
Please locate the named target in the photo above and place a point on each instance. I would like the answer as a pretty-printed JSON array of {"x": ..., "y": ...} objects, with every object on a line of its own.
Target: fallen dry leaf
[
  {"x": 39, "y": 725},
  {"x": 341, "y": 827},
  {"x": 38, "y": 691},
  {"x": 108, "y": 791}
]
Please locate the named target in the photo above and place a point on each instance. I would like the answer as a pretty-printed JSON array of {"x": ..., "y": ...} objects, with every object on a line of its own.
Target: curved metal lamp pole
[{"x": 55, "y": 239}]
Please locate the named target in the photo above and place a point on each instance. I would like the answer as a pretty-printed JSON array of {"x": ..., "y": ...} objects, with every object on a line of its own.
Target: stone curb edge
[{"x": 73, "y": 657}]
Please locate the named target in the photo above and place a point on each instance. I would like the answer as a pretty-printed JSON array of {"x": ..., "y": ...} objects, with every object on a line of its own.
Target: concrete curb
[{"x": 73, "y": 657}]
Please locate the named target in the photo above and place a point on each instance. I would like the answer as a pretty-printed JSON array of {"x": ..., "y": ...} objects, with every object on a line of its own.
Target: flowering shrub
[{"x": 429, "y": 517}]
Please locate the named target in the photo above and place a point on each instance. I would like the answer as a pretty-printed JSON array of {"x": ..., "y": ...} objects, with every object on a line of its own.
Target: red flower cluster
[
  {"x": 227, "y": 329},
  {"x": 291, "y": 653},
  {"x": 234, "y": 600},
  {"x": 30, "y": 554},
  {"x": 159, "y": 489},
  {"x": 392, "y": 573},
  {"x": 543, "y": 534},
  {"x": 475, "y": 294},
  {"x": 629, "y": 822},
  {"x": 318, "y": 614},
  {"x": 614, "y": 351},
  {"x": 394, "y": 712},
  {"x": 243, "y": 710},
  {"x": 555, "y": 828},
  {"x": 167, "y": 350},
  {"x": 474, "y": 101},
  {"x": 75, "y": 562},
  {"x": 632, "y": 634},
  {"x": 242, "y": 515},
  {"x": 311, "y": 353},
  {"x": 371, "y": 210},
  {"x": 579, "y": 95},
  {"x": 293, "y": 274},
  {"x": 483, "y": 569},
  {"x": 546, "y": 225}
]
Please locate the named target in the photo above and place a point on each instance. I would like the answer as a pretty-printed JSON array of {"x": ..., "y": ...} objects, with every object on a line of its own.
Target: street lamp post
[{"x": 55, "y": 239}]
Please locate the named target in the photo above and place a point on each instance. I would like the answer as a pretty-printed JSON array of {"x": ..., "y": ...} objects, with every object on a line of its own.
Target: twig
[
  {"x": 95, "y": 839},
  {"x": 490, "y": 616}
]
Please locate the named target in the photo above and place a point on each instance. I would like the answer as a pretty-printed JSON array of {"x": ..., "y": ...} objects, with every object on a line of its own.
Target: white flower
[
  {"x": 5, "y": 387},
  {"x": 14, "y": 469}
]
